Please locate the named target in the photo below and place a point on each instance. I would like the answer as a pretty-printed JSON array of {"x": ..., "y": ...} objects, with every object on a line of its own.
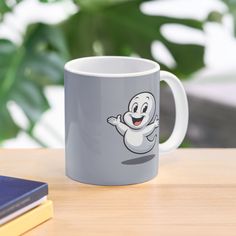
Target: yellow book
[{"x": 28, "y": 220}]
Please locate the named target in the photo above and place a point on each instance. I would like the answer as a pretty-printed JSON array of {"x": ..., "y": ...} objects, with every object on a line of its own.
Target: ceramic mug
[{"x": 112, "y": 119}]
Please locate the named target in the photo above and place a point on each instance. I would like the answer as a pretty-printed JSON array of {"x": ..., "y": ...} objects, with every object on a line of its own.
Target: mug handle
[{"x": 181, "y": 110}]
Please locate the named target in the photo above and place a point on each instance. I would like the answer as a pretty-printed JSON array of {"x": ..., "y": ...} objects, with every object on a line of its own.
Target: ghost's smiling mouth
[{"x": 137, "y": 121}]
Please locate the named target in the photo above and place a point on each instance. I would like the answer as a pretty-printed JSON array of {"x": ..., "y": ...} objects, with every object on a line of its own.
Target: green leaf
[
  {"x": 91, "y": 5},
  {"x": 122, "y": 29},
  {"x": 8, "y": 128},
  {"x": 26, "y": 70},
  {"x": 7, "y": 6},
  {"x": 31, "y": 99},
  {"x": 4, "y": 8}
]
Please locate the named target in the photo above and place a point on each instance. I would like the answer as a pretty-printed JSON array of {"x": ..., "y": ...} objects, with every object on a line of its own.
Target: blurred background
[{"x": 195, "y": 39}]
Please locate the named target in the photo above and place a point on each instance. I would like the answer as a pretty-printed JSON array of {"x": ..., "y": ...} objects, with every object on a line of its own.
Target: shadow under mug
[{"x": 112, "y": 119}]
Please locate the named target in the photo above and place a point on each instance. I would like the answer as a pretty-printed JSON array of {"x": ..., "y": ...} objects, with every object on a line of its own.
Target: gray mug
[{"x": 112, "y": 119}]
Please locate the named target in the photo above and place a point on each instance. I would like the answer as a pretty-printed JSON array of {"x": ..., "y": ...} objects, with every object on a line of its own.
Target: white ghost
[{"x": 137, "y": 127}]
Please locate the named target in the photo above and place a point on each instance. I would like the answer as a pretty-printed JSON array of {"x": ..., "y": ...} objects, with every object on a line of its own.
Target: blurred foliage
[
  {"x": 232, "y": 10},
  {"x": 122, "y": 29},
  {"x": 25, "y": 70},
  {"x": 101, "y": 27},
  {"x": 7, "y": 6},
  {"x": 215, "y": 16}
]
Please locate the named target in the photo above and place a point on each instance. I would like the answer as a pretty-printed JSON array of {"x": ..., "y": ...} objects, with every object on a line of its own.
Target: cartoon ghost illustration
[{"x": 137, "y": 124}]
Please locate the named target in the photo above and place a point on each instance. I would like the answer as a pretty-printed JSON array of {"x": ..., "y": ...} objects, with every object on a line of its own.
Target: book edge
[
  {"x": 23, "y": 210},
  {"x": 29, "y": 220},
  {"x": 34, "y": 195}
]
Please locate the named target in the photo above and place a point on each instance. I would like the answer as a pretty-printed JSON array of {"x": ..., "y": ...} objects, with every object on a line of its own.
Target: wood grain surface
[{"x": 194, "y": 194}]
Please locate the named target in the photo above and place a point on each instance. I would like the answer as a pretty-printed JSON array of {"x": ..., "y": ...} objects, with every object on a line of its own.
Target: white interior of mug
[{"x": 112, "y": 66}]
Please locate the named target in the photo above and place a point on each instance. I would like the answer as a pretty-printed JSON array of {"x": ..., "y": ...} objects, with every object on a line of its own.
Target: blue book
[{"x": 16, "y": 194}]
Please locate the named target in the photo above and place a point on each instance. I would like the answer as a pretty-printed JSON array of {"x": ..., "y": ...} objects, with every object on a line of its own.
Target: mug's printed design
[{"x": 137, "y": 127}]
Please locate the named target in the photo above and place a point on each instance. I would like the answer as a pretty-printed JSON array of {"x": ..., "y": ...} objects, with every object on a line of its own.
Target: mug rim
[{"x": 69, "y": 67}]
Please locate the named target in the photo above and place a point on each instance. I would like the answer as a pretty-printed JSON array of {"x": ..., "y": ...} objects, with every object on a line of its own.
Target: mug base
[{"x": 111, "y": 183}]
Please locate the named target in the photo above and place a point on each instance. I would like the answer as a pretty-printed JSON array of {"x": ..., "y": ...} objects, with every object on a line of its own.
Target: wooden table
[{"x": 194, "y": 194}]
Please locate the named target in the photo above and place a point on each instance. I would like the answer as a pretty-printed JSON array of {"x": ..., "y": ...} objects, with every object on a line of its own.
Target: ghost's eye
[
  {"x": 144, "y": 107},
  {"x": 134, "y": 107}
]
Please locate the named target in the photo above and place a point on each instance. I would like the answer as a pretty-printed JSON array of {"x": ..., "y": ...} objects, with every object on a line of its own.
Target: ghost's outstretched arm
[
  {"x": 150, "y": 128},
  {"x": 116, "y": 121},
  {"x": 122, "y": 128}
]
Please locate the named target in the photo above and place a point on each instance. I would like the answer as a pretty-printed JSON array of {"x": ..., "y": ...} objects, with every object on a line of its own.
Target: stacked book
[{"x": 23, "y": 205}]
